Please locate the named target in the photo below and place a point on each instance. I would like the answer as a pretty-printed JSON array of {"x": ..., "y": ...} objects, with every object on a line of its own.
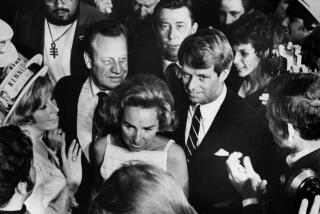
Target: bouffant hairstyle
[
  {"x": 253, "y": 28},
  {"x": 146, "y": 91},
  {"x": 36, "y": 95}
]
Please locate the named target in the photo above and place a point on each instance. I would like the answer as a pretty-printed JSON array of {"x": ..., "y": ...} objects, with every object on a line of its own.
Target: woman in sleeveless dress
[{"x": 141, "y": 108}]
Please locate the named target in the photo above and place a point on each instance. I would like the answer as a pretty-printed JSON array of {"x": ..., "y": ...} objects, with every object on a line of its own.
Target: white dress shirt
[
  {"x": 208, "y": 113},
  {"x": 60, "y": 65},
  {"x": 87, "y": 103}
]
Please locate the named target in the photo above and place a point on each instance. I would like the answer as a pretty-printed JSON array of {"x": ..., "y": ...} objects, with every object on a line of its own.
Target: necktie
[
  {"x": 193, "y": 133},
  {"x": 97, "y": 122},
  {"x": 172, "y": 73}
]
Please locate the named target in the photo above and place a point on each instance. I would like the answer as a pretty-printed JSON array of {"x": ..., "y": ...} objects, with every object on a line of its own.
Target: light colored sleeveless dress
[{"x": 115, "y": 156}]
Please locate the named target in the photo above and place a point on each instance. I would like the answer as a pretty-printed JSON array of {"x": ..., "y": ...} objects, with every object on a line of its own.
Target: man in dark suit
[
  {"x": 294, "y": 120},
  {"x": 105, "y": 55},
  {"x": 215, "y": 123},
  {"x": 55, "y": 28},
  {"x": 173, "y": 22}
]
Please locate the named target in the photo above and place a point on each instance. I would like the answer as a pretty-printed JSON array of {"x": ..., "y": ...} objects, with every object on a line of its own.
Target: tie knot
[{"x": 173, "y": 67}]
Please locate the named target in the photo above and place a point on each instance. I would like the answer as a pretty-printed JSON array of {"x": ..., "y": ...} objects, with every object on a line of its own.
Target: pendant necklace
[{"x": 54, "y": 49}]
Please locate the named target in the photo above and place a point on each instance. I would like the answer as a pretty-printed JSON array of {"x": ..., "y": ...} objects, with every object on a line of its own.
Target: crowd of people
[{"x": 159, "y": 106}]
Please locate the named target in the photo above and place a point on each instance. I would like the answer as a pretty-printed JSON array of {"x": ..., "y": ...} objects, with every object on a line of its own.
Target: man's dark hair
[
  {"x": 311, "y": 49},
  {"x": 108, "y": 28},
  {"x": 172, "y": 4},
  {"x": 15, "y": 161},
  {"x": 206, "y": 48},
  {"x": 295, "y": 99}
]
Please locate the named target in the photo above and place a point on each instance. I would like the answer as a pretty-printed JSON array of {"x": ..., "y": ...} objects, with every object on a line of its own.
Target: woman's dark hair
[
  {"x": 253, "y": 28},
  {"x": 15, "y": 161}
]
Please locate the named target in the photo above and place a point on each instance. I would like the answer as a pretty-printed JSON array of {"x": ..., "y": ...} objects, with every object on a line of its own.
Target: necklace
[{"x": 54, "y": 49}]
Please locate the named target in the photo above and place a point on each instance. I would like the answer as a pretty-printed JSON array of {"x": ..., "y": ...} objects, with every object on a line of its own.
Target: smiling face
[
  {"x": 202, "y": 85},
  {"x": 139, "y": 126},
  {"x": 110, "y": 61},
  {"x": 173, "y": 26},
  {"x": 246, "y": 59},
  {"x": 46, "y": 117}
]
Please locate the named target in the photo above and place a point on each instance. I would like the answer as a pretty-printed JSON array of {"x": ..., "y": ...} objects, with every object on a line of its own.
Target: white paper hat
[
  {"x": 15, "y": 80},
  {"x": 313, "y": 6},
  {"x": 8, "y": 53}
]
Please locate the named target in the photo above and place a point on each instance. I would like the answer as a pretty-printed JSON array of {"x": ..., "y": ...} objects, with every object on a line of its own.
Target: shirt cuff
[{"x": 249, "y": 201}]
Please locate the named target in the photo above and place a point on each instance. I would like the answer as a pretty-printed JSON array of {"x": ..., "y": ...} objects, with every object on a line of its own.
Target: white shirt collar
[
  {"x": 94, "y": 90},
  {"x": 209, "y": 109},
  {"x": 208, "y": 113}
]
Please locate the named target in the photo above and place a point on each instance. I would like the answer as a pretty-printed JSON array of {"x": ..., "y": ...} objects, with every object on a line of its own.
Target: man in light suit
[
  {"x": 106, "y": 54},
  {"x": 216, "y": 122}
]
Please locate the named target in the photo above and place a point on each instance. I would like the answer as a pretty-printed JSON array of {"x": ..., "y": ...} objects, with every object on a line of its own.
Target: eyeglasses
[{"x": 54, "y": 1}]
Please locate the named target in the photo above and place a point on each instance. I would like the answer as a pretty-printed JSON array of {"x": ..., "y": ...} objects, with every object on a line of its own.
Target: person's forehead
[
  {"x": 174, "y": 15},
  {"x": 195, "y": 71},
  {"x": 234, "y": 5},
  {"x": 145, "y": 2},
  {"x": 246, "y": 46},
  {"x": 105, "y": 45}
]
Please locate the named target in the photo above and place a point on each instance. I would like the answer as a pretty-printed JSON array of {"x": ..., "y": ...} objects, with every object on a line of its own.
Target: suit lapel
[{"x": 217, "y": 130}]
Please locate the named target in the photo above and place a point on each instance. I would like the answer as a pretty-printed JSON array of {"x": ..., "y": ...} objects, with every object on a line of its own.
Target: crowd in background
[{"x": 159, "y": 106}]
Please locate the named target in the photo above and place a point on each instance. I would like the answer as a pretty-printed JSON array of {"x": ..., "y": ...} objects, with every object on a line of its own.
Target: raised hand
[
  {"x": 243, "y": 177},
  {"x": 72, "y": 167},
  {"x": 315, "y": 208}
]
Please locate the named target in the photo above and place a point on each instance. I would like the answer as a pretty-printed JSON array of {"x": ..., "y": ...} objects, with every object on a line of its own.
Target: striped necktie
[{"x": 193, "y": 133}]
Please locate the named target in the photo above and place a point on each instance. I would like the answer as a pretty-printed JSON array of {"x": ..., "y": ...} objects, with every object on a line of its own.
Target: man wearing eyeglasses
[
  {"x": 54, "y": 28},
  {"x": 105, "y": 55}
]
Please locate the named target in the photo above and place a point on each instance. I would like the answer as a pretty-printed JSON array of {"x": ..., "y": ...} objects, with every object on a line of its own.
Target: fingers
[
  {"x": 303, "y": 206},
  {"x": 63, "y": 150},
  {"x": 235, "y": 169},
  {"x": 316, "y": 205},
  {"x": 72, "y": 148}
]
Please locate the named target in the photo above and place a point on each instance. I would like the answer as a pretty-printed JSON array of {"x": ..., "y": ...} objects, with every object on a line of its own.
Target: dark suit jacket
[
  {"x": 29, "y": 33},
  {"x": 236, "y": 127},
  {"x": 66, "y": 93}
]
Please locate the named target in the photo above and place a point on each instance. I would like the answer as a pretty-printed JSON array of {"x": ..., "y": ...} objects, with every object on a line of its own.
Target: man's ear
[
  {"x": 223, "y": 75},
  {"x": 194, "y": 27},
  {"x": 21, "y": 188},
  {"x": 87, "y": 60}
]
